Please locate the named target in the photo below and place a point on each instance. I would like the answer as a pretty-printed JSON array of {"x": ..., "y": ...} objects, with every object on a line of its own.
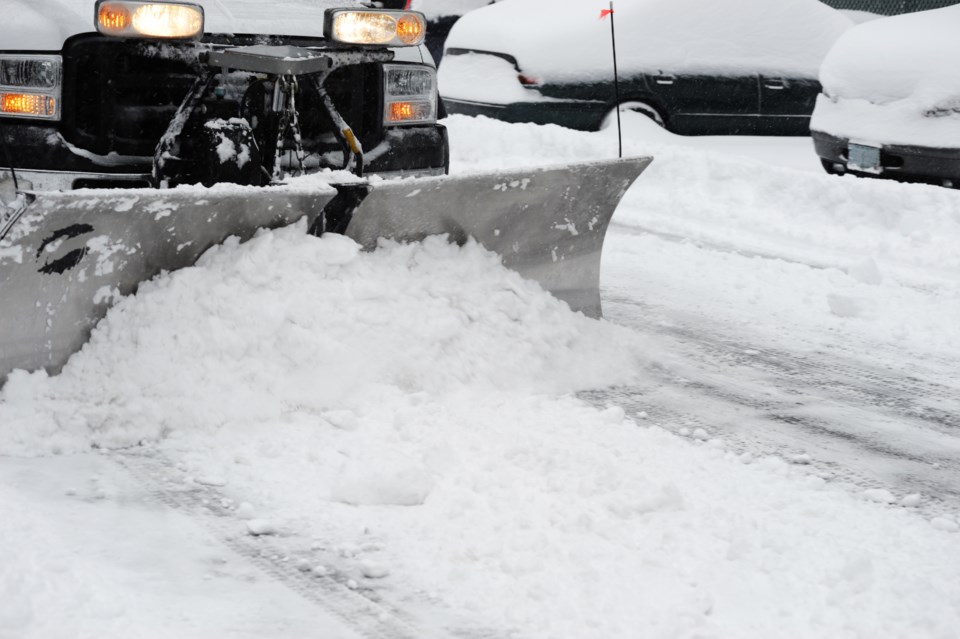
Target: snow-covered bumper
[
  {"x": 899, "y": 140},
  {"x": 488, "y": 84},
  {"x": 583, "y": 116}
]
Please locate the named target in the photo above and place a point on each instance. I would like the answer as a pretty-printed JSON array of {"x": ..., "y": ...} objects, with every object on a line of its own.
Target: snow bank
[
  {"x": 289, "y": 327},
  {"x": 893, "y": 81},
  {"x": 567, "y": 42}
]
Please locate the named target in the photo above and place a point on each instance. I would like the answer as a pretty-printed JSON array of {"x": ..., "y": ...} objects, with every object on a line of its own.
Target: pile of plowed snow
[{"x": 290, "y": 327}]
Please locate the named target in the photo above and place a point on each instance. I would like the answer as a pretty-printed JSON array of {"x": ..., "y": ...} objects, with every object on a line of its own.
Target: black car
[{"x": 748, "y": 72}]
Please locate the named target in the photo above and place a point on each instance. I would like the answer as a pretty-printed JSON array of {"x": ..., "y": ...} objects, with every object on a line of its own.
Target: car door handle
[
  {"x": 774, "y": 85},
  {"x": 664, "y": 79}
]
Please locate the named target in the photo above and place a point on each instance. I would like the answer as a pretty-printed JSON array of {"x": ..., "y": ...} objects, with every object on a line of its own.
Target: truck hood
[{"x": 28, "y": 25}]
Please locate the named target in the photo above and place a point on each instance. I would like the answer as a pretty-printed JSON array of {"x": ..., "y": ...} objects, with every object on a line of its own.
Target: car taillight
[
  {"x": 528, "y": 80},
  {"x": 30, "y": 86}
]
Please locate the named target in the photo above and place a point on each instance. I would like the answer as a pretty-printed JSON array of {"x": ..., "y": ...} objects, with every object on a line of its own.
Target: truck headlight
[
  {"x": 392, "y": 28},
  {"x": 30, "y": 86},
  {"x": 166, "y": 20},
  {"x": 410, "y": 94}
]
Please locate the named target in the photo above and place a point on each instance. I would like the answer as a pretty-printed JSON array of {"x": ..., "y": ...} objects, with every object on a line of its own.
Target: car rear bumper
[
  {"x": 573, "y": 114},
  {"x": 898, "y": 161}
]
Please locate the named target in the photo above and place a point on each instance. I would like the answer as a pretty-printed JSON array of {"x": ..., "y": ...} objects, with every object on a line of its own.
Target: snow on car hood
[
  {"x": 907, "y": 56},
  {"x": 894, "y": 81},
  {"x": 566, "y": 41},
  {"x": 29, "y": 27}
]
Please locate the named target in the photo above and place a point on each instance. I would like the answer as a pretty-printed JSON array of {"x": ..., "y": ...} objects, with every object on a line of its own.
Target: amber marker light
[
  {"x": 166, "y": 20},
  {"x": 113, "y": 18},
  {"x": 401, "y": 111},
  {"x": 392, "y": 28},
  {"x": 410, "y": 29},
  {"x": 28, "y": 104}
]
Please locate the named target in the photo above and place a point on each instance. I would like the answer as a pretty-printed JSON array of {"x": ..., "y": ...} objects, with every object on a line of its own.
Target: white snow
[
  {"x": 569, "y": 42},
  {"x": 434, "y": 9},
  {"x": 483, "y": 78},
  {"x": 405, "y": 420},
  {"x": 889, "y": 81}
]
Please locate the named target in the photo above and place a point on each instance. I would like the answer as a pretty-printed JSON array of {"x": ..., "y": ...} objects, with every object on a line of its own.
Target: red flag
[{"x": 605, "y": 12}]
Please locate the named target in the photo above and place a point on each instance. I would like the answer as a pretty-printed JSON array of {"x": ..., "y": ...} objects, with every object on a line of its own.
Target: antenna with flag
[{"x": 616, "y": 76}]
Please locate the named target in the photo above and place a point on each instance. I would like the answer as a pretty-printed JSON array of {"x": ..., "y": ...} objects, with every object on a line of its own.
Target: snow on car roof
[
  {"x": 911, "y": 55},
  {"x": 567, "y": 41}
]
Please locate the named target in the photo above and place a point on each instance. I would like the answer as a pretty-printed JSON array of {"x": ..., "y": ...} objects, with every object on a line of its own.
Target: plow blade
[
  {"x": 69, "y": 256},
  {"x": 548, "y": 224},
  {"x": 66, "y": 257}
]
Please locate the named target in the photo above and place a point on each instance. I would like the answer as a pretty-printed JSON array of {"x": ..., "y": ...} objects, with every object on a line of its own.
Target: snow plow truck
[{"x": 136, "y": 135}]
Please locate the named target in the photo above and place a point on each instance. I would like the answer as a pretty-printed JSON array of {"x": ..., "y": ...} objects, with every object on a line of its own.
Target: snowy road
[
  {"x": 875, "y": 425},
  {"x": 871, "y": 406},
  {"x": 297, "y": 439}
]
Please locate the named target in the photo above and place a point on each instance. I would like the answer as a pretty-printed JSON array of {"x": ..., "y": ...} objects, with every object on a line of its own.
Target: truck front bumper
[{"x": 42, "y": 157}]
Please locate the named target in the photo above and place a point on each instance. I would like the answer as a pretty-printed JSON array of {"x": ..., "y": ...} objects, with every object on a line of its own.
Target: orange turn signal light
[
  {"x": 29, "y": 104},
  {"x": 113, "y": 17},
  {"x": 401, "y": 112},
  {"x": 410, "y": 29}
]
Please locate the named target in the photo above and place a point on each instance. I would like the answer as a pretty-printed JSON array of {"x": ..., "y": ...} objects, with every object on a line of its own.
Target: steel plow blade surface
[
  {"x": 66, "y": 257},
  {"x": 70, "y": 255},
  {"x": 548, "y": 224}
]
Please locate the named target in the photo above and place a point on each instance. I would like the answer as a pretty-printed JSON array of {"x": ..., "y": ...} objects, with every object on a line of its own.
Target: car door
[
  {"x": 707, "y": 104},
  {"x": 786, "y": 104}
]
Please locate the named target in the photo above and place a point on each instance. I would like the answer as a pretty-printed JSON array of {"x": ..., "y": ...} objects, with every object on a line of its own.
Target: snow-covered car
[
  {"x": 694, "y": 66},
  {"x": 891, "y": 99},
  {"x": 87, "y": 96},
  {"x": 441, "y": 16}
]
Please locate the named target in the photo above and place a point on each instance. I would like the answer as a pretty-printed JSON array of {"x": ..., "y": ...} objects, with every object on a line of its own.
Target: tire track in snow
[
  {"x": 861, "y": 424},
  {"x": 285, "y": 557}
]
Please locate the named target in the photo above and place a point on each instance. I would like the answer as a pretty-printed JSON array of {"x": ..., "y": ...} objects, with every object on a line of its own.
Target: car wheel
[{"x": 610, "y": 119}]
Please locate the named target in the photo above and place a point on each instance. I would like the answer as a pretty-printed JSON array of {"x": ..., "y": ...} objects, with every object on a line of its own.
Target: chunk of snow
[
  {"x": 866, "y": 271},
  {"x": 258, "y": 527},
  {"x": 879, "y": 495},
  {"x": 373, "y": 570},
  {"x": 368, "y": 486},
  {"x": 246, "y": 511},
  {"x": 844, "y": 306},
  {"x": 945, "y": 523},
  {"x": 911, "y": 501}
]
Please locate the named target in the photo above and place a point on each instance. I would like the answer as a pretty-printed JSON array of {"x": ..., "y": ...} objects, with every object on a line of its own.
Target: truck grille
[{"x": 119, "y": 96}]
